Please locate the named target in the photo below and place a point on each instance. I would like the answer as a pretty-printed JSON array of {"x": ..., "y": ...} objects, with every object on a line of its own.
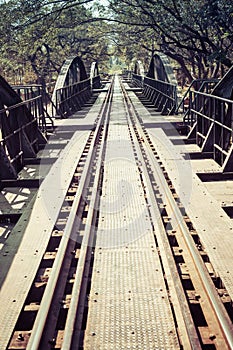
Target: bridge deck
[
  {"x": 123, "y": 280},
  {"x": 203, "y": 201},
  {"x": 22, "y": 252},
  {"x": 129, "y": 306}
]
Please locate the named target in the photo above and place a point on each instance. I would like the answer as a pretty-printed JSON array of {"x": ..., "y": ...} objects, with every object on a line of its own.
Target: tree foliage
[
  {"x": 36, "y": 36},
  {"x": 195, "y": 33}
]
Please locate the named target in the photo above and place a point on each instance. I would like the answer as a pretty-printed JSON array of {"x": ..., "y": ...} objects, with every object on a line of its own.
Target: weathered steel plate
[{"x": 129, "y": 306}]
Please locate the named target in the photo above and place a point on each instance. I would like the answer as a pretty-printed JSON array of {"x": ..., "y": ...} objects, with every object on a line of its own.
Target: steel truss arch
[
  {"x": 94, "y": 75},
  {"x": 139, "y": 68},
  {"x": 160, "y": 69},
  {"x": 74, "y": 86},
  {"x": 72, "y": 71}
]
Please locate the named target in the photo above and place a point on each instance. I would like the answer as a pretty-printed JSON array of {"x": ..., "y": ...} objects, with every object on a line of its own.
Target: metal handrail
[
  {"x": 20, "y": 104},
  {"x": 210, "y": 112},
  {"x": 69, "y": 93},
  {"x": 165, "y": 94},
  {"x": 165, "y": 83},
  {"x": 204, "y": 83}
]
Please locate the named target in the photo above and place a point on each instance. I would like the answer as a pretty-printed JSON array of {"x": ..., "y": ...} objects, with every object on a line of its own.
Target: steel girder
[
  {"x": 19, "y": 132},
  {"x": 73, "y": 87},
  {"x": 214, "y": 119},
  {"x": 159, "y": 85}
]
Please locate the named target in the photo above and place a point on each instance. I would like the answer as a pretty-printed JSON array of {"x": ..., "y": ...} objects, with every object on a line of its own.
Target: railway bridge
[{"x": 116, "y": 212}]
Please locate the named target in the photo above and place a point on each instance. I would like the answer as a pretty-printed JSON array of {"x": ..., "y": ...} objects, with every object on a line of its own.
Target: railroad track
[
  {"x": 209, "y": 322},
  {"x": 55, "y": 313}
]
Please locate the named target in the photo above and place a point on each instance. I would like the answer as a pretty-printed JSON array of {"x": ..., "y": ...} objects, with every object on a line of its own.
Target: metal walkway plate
[
  {"x": 23, "y": 261},
  {"x": 213, "y": 226},
  {"x": 129, "y": 306}
]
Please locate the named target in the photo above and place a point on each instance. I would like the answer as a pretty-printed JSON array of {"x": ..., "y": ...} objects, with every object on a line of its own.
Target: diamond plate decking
[
  {"x": 214, "y": 227},
  {"x": 129, "y": 307}
]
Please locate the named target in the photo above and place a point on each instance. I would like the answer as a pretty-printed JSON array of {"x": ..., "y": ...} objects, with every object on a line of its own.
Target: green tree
[
  {"x": 36, "y": 37},
  {"x": 196, "y": 33}
]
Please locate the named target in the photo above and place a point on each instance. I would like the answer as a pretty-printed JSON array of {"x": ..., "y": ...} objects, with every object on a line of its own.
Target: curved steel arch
[
  {"x": 160, "y": 69},
  {"x": 139, "y": 68},
  {"x": 94, "y": 71},
  {"x": 94, "y": 75},
  {"x": 72, "y": 71}
]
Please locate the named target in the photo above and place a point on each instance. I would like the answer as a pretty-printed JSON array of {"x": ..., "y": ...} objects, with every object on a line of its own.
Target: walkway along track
[
  {"x": 68, "y": 247},
  {"x": 218, "y": 322},
  {"x": 56, "y": 312}
]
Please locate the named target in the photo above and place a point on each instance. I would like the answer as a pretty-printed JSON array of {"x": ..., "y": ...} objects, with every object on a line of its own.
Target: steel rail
[
  {"x": 68, "y": 337},
  {"x": 207, "y": 282},
  {"x": 217, "y": 305},
  {"x": 219, "y": 310},
  {"x": 40, "y": 321},
  {"x": 191, "y": 337}
]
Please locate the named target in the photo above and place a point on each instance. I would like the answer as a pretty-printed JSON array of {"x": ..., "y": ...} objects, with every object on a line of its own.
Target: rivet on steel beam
[
  {"x": 212, "y": 336},
  {"x": 20, "y": 337}
]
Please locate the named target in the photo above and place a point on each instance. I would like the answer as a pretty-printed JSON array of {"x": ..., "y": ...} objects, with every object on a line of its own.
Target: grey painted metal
[
  {"x": 220, "y": 311},
  {"x": 73, "y": 88},
  {"x": 162, "y": 95},
  {"x": 22, "y": 123},
  {"x": 128, "y": 304},
  {"x": 202, "y": 85},
  {"x": 72, "y": 72},
  {"x": 160, "y": 69},
  {"x": 72, "y": 97},
  {"x": 88, "y": 234},
  {"x": 184, "y": 318},
  {"x": 69, "y": 232},
  {"x": 139, "y": 68},
  {"x": 94, "y": 76},
  {"x": 224, "y": 88},
  {"x": 211, "y": 124},
  {"x": 26, "y": 259},
  {"x": 159, "y": 85},
  {"x": 214, "y": 118},
  {"x": 208, "y": 220}
]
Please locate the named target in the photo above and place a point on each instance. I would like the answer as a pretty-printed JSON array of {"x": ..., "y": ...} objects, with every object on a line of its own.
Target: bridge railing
[
  {"x": 202, "y": 85},
  {"x": 138, "y": 80},
  {"x": 213, "y": 118},
  {"x": 71, "y": 98},
  {"x": 161, "y": 94},
  {"x": 20, "y": 136},
  {"x": 127, "y": 74},
  {"x": 96, "y": 82},
  {"x": 41, "y": 109}
]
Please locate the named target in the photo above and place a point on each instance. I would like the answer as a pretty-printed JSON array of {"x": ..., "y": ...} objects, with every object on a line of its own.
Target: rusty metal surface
[
  {"x": 212, "y": 223},
  {"x": 24, "y": 263}
]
